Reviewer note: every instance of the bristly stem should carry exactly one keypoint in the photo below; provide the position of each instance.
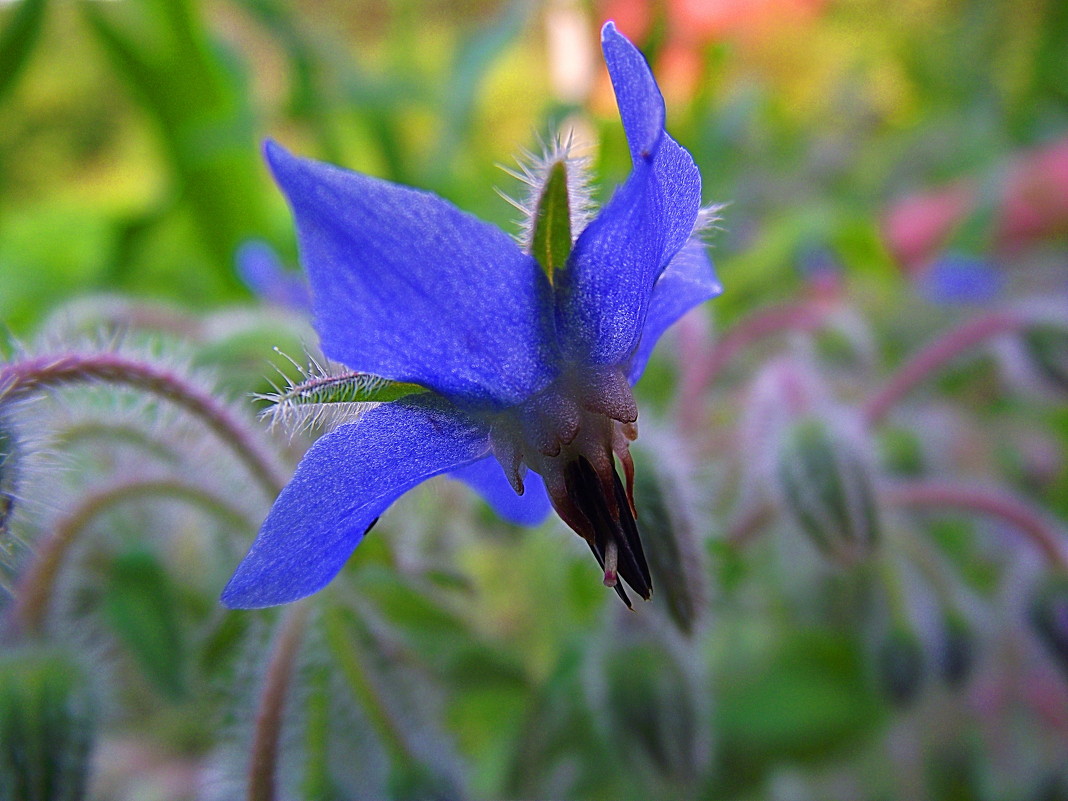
(363, 686)
(985, 502)
(36, 588)
(749, 523)
(703, 370)
(936, 355)
(22, 379)
(263, 761)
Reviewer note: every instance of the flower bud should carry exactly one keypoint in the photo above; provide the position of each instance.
(899, 662)
(676, 559)
(826, 486)
(9, 474)
(652, 710)
(1049, 617)
(46, 726)
(1045, 345)
(956, 655)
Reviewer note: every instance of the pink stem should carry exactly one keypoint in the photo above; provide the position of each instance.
(935, 355)
(22, 379)
(1004, 507)
(697, 380)
(263, 762)
(36, 588)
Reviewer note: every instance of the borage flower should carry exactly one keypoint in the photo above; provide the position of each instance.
(520, 358)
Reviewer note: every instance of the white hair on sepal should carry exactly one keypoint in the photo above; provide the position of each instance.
(533, 172)
(325, 397)
(708, 221)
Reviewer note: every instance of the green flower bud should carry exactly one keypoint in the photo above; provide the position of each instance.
(956, 655)
(9, 474)
(653, 712)
(46, 726)
(827, 488)
(1049, 617)
(676, 559)
(900, 667)
(1046, 346)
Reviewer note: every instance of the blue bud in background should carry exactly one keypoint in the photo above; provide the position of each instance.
(956, 278)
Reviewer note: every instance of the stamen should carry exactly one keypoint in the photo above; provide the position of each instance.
(611, 558)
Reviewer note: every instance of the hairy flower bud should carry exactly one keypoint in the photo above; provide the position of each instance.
(1046, 347)
(676, 559)
(652, 709)
(826, 486)
(900, 666)
(956, 654)
(1048, 615)
(46, 726)
(9, 474)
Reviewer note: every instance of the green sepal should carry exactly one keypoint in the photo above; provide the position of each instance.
(550, 242)
(318, 390)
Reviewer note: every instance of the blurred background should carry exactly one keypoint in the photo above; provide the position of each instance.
(852, 463)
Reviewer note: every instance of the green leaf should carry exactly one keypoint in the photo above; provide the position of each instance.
(551, 242)
(18, 40)
(140, 606)
(808, 702)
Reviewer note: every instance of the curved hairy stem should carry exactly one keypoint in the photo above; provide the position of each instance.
(36, 588)
(23, 379)
(1011, 510)
(704, 370)
(935, 355)
(263, 762)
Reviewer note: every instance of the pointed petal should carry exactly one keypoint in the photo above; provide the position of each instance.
(603, 293)
(345, 481)
(487, 479)
(408, 287)
(688, 280)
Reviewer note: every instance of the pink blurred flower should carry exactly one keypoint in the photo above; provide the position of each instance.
(1032, 206)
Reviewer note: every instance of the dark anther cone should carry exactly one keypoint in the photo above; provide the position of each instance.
(610, 522)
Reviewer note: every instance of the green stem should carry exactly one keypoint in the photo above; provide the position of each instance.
(347, 653)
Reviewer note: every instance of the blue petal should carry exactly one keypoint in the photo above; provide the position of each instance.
(263, 273)
(408, 287)
(487, 479)
(345, 481)
(603, 293)
(688, 280)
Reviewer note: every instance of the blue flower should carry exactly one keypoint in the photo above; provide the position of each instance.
(527, 370)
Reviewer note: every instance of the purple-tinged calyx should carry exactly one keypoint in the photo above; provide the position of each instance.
(571, 435)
